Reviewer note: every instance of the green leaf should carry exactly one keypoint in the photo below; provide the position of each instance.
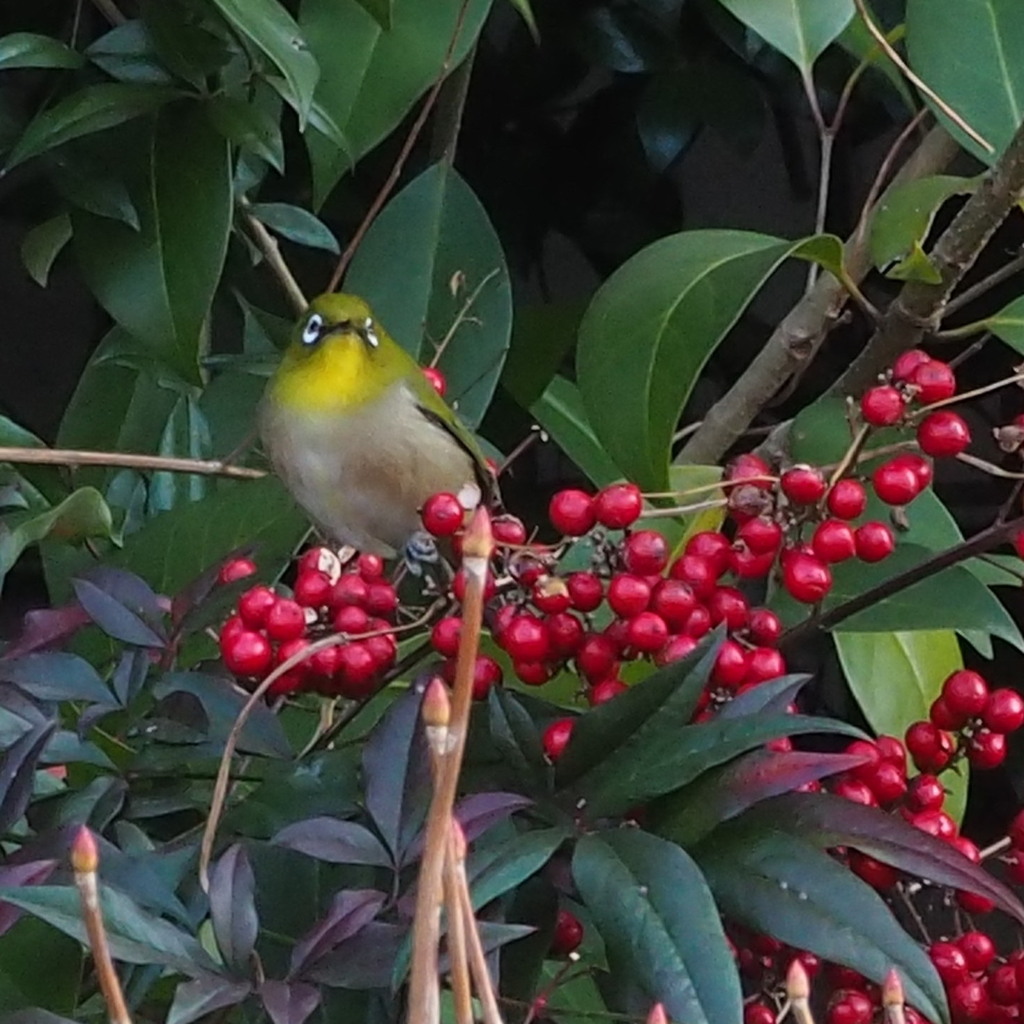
(39, 967)
(175, 547)
(1008, 324)
(380, 11)
(135, 936)
(43, 244)
(905, 215)
(296, 224)
(525, 11)
(653, 325)
(542, 337)
(659, 923)
(496, 869)
(30, 50)
(93, 189)
(800, 29)
(948, 43)
(273, 30)
(251, 126)
(780, 884)
(559, 410)
(126, 53)
(366, 95)
(90, 109)
(896, 676)
(434, 233)
(917, 265)
(158, 282)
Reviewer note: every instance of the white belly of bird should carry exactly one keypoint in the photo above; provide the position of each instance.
(363, 479)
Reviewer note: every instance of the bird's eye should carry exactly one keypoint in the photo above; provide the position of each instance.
(370, 334)
(311, 332)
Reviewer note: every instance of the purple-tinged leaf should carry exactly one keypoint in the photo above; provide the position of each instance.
(289, 1002)
(130, 590)
(477, 813)
(34, 1015)
(771, 697)
(55, 676)
(497, 869)
(349, 913)
(396, 773)
(689, 814)
(114, 618)
(829, 821)
(364, 961)
(334, 840)
(202, 586)
(196, 998)
(47, 627)
(233, 907)
(32, 872)
(130, 674)
(17, 771)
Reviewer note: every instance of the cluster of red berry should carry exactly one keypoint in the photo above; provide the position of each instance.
(270, 626)
(981, 986)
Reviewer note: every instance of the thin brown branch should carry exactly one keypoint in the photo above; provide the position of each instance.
(267, 245)
(799, 335)
(458, 956)
(477, 959)
(110, 11)
(407, 147)
(74, 458)
(997, 277)
(920, 306)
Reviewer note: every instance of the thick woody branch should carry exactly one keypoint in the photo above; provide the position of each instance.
(919, 307)
(798, 337)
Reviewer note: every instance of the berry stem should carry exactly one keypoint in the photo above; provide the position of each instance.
(988, 467)
(704, 488)
(1016, 378)
(682, 510)
(75, 457)
(850, 457)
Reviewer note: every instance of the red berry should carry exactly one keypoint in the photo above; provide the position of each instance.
(925, 793)
(459, 586)
(254, 604)
(748, 467)
(931, 748)
(887, 782)
(236, 569)
(647, 632)
(1017, 540)
(323, 664)
(698, 624)
(606, 690)
(246, 653)
(758, 1013)
(565, 634)
(508, 529)
(803, 485)
(486, 675)
(748, 566)
(939, 714)
(848, 1007)
(532, 673)
(285, 620)
(357, 670)
(874, 541)
(349, 589)
(965, 693)
(949, 962)
(943, 433)
(550, 594)
(572, 512)
(699, 572)
(765, 627)
(847, 499)
(882, 406)
(806, 578)
(730, 666)
(370, 567)
(444, 637)
(1003, 711)
(598, 657)
(312, 589)
(351, 620)
(436, 379)
(893, 751)
(585, 590)
(1002, 985)
(934, 381)
(921, 467)
(877, 874)
(381, 599)
(935, 823)
(556, 736)
(645, 552)
(618, 506)
(764, 663)
(674, 601)
(728, 605)
(908, 362)
(896, 483)
(568, 933)
(628, 595)
(525, 638)
(833, 541)
(986, 749)
(710, 545)
(442, 514)
(978, 949)
(761, 536)
(855, 791)
(676, 649)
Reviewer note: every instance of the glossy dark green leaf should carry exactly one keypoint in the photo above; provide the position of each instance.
(135, 936)
(43, 244)
(93, 189)
(800, 29)
(366, 95)
(665, 121)
(653, 325)
(295, 224)
(380, 10)
(127, 55)
(233, 907)
(782, 885)
(434, 233)
(517, 739)
(158, 282)
(268, 25)
(496, 869)
(17, 771)
(946, 44)
(55, 675)
(249, 125)
(1008, 324)
(39, 968)
(92, 108)
(659, 923)
(31, 50)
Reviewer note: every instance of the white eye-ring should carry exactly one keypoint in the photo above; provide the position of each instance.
(370, 334)
(311, 332)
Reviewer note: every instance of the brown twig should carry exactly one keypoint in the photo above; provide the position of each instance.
(458, 956)
(84, 864)
(267, 245)
(110, 11)
(73, 457)
(477, 959)
(798, 336)
(403, 155)
(997, 277)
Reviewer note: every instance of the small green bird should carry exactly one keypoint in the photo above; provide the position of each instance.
(358, 434)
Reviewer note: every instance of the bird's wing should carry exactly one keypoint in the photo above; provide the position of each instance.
(458, 432)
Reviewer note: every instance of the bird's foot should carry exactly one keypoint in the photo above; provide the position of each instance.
(420, 550)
